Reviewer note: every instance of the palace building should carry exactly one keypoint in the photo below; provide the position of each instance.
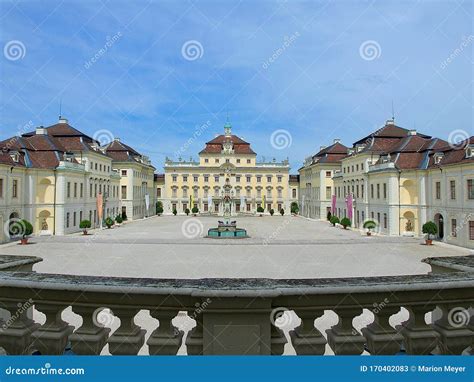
(57, 176)
(189, 184)
(398, 178)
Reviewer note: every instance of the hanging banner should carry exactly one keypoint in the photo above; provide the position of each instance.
(349, 206)
(333, 205)
(100, 206)
(147, 201)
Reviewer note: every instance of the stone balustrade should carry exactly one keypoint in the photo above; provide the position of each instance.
(238, 316)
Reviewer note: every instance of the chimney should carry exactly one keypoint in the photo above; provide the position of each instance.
(412, 132)
(41, 131)
(62, 120)
(322, 148)
(337, 140)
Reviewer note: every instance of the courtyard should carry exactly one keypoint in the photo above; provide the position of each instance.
(278, 247)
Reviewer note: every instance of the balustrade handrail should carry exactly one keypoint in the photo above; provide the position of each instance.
(242, 309)
(239, 287)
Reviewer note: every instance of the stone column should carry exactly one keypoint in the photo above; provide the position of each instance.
(88, 339)
(453, 327)
(129, 337)
(343, 338)
(52, 337)
(306, 339)
(166, 339)
(382, 338)
(418, 337)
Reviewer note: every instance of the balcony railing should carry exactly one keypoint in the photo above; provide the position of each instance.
(238, 316)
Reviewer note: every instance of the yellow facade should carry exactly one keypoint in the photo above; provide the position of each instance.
(201, 182)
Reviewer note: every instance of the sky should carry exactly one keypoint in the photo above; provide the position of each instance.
(163, 76)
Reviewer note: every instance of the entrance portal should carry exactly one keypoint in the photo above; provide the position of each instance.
(439, 220)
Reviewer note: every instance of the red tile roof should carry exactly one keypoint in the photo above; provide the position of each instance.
(215, 146)
(331, 154)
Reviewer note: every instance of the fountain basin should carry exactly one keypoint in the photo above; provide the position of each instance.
(235, 233)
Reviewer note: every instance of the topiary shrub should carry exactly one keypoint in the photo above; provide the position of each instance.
(21, 228)
(175, 212)
(118, 219)
(109, 222)
(334, 220)
(260, 210)
(430, 229)
(84, 225)
(186, 211)
(294, 208)
(345, 222)
(282, 212)
(272, 211)
(195, 210)
(370, 225)
(159, 208)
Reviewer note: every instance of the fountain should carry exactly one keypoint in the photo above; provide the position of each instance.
(227, 229)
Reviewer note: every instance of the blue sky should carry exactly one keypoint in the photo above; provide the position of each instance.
(319, 70)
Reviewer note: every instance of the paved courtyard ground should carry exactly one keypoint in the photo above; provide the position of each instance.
(279, 247)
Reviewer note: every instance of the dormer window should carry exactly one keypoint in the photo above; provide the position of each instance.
(438, 157)
(68, 156)
(15, 155)
(386, 158)
(470, 151)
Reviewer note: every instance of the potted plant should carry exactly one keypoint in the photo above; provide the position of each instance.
(195, 210)
(85, 224)
(260, 210)
(272, 211)
(430, 229)
(294, 208)
(345, 222)
(282, 212)
(175, 212)
(118, 219)
(159, 208)
(109, 222)
(334, 220)
(186, 211)
(328, 216)
(369, 225)
(124, 216)
(23, 228)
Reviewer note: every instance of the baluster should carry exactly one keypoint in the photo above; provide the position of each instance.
(167, 338)
(277, 340)
(195, 338)
(15, 333)
(382, 338)
(51, 338)
(129, 337)
(306, 339)
(89, 339)
(418, 337)
(343, 338)
(453, 328)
